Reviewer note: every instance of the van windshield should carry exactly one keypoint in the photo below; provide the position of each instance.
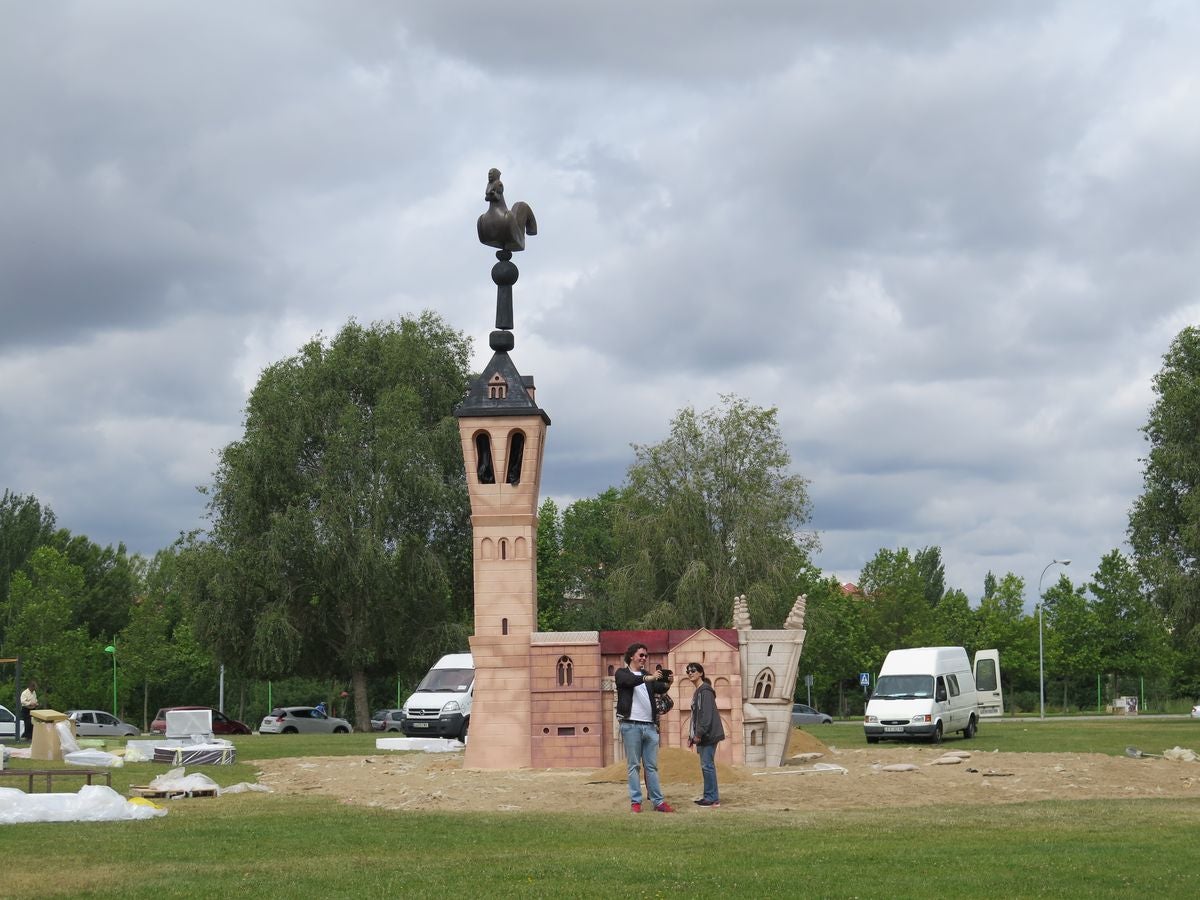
(447, 681)
(904, 687)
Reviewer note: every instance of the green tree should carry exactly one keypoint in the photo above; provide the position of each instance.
(1164, 524)
(933, 573)
(336, 518)
(836, 645)
(109, 583)
(42, 606)
(24, 526)
(1002, 624)
(551, 568)
(954, 621)
(1070, 636)
(898, 611)
(1132, 638)
(590, 556)
(709, 513)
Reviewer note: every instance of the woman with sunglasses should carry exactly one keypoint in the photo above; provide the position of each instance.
(706, 732)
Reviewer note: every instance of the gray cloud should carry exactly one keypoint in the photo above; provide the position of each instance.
(950, 244)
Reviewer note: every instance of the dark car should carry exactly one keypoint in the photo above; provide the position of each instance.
(802, 714)
(221, 723)
(386, 719)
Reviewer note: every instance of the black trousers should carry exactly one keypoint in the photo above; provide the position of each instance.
(26, 723)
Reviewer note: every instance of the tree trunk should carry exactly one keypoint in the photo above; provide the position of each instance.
(362, 712)
(146, 705)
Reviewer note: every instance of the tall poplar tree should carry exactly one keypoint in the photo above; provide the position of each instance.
(1164, 524)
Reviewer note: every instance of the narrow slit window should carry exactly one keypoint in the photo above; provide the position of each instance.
(483, 459)
(516, 453)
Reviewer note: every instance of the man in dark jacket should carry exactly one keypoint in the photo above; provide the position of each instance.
(638, 716)
(706, 732)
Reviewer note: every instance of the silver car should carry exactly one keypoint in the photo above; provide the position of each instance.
(803, 714)
(98, 723)
(302, 720)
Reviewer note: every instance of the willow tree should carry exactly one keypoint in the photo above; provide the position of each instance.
(711, 512)
(337, 518)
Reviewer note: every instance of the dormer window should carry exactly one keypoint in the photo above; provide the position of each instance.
(497, 387)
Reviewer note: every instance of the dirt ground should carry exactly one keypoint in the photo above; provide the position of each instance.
(439, 781)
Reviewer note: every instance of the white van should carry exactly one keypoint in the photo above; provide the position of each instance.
(926, 692)
(441, 704)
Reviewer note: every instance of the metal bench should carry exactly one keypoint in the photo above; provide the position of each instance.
(51, 774)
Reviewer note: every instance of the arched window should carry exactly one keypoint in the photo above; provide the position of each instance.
(483, 458)
(516, 454)
(764, 684)
(564, 671)
(504, 626)
(487, 548)
(520, 550)
(503, 545)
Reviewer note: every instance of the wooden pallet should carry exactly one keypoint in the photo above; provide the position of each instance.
(143, 790)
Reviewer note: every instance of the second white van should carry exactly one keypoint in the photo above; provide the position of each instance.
(925, 692)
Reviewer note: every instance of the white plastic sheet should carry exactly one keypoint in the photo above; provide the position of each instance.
(93, 803)
(93, 758)
(426, 745)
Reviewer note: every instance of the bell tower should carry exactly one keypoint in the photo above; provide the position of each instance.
(503, 433)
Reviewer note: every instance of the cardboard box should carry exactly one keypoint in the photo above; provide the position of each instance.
(46, 743)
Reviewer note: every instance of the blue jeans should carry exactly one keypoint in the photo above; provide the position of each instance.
(641, 749)
(708, 771)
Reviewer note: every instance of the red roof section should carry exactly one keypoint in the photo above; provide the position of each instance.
(657, 641)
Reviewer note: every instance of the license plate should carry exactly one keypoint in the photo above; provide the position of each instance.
(893, 728)
(419, 724)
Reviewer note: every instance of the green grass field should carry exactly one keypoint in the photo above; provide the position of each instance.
(265, 844)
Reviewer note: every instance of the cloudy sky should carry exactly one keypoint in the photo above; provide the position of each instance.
(950, 242)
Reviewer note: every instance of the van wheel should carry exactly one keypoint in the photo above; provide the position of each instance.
(936, 737)
(972, 727)
(462, 735)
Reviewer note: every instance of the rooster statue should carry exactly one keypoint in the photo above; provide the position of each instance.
(501, 227)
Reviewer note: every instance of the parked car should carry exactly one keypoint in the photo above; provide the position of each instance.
(386, 719)
(98, 723)
(802, 714)
(302, 720)
(221, 723)
(9, 724)
(1195, 711)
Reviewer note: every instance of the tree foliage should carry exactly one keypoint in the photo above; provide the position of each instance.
(1164, 524)
(336, 518)
(711, 512)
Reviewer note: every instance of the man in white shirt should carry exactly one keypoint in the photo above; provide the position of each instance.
(29, 702)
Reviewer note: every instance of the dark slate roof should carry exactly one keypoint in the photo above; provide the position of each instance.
(517, 403)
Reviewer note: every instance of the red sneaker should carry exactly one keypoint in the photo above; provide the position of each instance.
(664, 807)
(635, 807)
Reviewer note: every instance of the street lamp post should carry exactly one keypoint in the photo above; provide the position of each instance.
(112, 648)
(1041, 665)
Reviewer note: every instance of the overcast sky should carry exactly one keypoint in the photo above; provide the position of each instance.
(950, 242)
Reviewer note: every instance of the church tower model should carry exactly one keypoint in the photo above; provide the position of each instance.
(503, 432)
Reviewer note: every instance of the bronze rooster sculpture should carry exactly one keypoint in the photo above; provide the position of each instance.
(501, 227)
